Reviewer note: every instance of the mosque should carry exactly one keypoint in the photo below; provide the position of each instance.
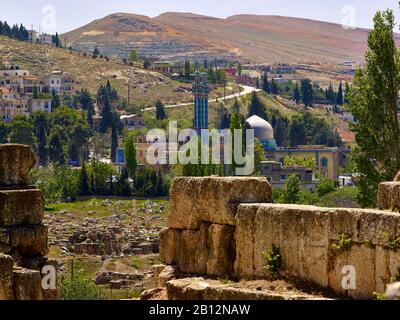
(326, 158)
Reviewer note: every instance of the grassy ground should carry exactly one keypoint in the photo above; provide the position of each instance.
(88, 267)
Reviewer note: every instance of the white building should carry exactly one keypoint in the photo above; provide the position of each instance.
(132, 121)
(40, 105)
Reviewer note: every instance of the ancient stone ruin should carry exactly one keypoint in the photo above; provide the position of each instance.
(23, 237)
(222, 227)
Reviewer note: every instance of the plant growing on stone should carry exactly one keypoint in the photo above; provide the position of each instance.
(344, 243)
(3, 233)
(393, 243)
(273, 260)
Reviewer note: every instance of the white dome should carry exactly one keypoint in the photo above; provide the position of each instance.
(262, 129)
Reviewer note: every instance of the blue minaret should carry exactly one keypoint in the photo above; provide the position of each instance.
(200, 95)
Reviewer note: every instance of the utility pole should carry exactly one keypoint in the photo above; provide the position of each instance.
(72, 270)
(129, 93)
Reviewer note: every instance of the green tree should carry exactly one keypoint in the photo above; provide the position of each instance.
(96, 52)
(256, 107)
(35, 92)
(133, 56)
(114, 142)
(106, 109)
(307, 92)
(236, 123)
(84, 181)
(4, 131)
(265, 83)
(222, 117)
(326, 186)
(296, 94)
(297, 131)
(56, 150)
(240, 69)
(22, 131)
(291, 191)
(160, 111)
(274, 87)
(55, 100)
(130, 155)
(259, 155)
(373, 101)
(340, 98)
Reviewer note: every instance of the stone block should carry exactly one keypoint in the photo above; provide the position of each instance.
(194, 251)
(382, 270)
(6, 277)
(27, 284)
(222, 251)
(21, 207)
(170, 245)
(187, 289)
(213, 199)
(343, 222)
(394, 264)
(267, 232)
(389, 196)
(15, 163)
(27, 241)
(362, 258)
(163, 274)
(245, 242)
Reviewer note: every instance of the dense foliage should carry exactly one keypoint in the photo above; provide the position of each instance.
(373, 100)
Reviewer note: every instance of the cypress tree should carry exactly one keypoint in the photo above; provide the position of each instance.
(339, 99)
(84, 181)
(296, 94)
(373, 101)
(160, 111)
(114, 142)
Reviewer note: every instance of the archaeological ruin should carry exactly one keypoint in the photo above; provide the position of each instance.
(221, 228)
(23, 237)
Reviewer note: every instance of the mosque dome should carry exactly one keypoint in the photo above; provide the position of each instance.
(262, 129)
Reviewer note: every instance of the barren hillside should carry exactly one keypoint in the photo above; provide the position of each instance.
(146, 86)
(270, 39)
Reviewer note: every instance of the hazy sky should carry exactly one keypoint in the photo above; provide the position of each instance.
(75, 13)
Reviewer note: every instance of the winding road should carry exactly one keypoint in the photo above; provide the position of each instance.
(246, 90)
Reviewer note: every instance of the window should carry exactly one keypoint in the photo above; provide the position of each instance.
(324, 162)
(283, 177)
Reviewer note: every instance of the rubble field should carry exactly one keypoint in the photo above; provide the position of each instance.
(113, 242)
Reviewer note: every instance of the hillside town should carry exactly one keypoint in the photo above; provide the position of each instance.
(198, 158)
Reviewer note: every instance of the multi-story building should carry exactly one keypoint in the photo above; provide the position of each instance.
(61, 83)
(133, 121)
(43, 105)
(277, 175)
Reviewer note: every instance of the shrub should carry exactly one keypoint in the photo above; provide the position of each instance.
(344, 243)
(326, 186)
(341, 198)
(273, 260)
(80, 289)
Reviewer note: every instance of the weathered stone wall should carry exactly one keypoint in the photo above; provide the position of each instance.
(201, 234)
(23, 237)
(308, 239)
(211, 234)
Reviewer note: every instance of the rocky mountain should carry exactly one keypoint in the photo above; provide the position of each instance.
(272, 39)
